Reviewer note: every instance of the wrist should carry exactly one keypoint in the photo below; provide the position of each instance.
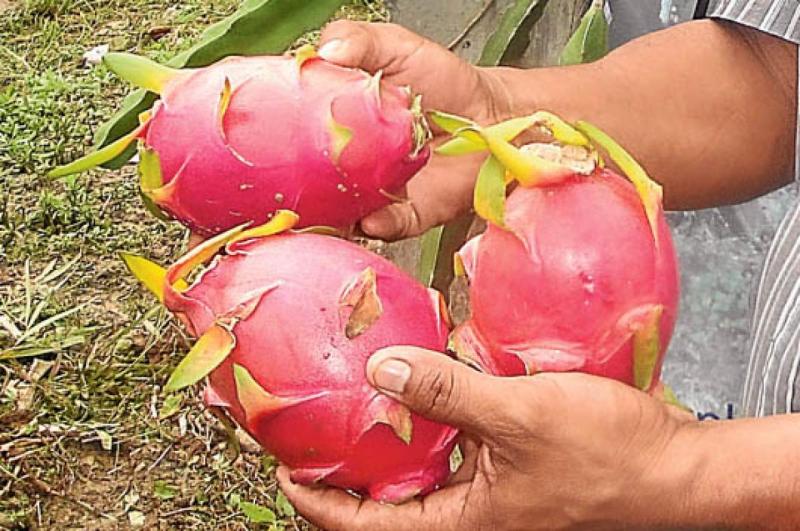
(671, 485)
(497, 103)
(566, 91)
(731, 474)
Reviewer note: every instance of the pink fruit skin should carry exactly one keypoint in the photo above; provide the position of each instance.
(274, 147)
(565, 287)
(294, 345)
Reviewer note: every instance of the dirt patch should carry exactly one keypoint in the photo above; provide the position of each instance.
(5, 4)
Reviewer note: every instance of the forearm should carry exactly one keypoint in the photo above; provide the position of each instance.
(732, 474)
(707, 107)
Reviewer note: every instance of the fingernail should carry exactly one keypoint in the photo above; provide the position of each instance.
(392, 375)
(331, 50)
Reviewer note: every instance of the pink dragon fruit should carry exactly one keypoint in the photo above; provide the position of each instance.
(576, 271)
(234, 142)
(284, 341)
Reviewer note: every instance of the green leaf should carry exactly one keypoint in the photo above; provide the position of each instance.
(32, 331)
(442, 243)
(27, 351)
(284, 506)
(163, 491)
(490, 192)
(258, 27)
(590, 41)
(96, 158)
(508, 28)
(257, 514)
(429, 251)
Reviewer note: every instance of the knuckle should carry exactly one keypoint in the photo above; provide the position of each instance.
(335, 27)
(407, 219)
(392, 26)
(413, 225)
(438, 392)
(344, 29)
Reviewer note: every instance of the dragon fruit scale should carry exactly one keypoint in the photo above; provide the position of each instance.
(233, 142)
(576, 270)
(284, 342)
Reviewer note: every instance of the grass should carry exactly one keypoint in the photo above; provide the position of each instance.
(86, 439)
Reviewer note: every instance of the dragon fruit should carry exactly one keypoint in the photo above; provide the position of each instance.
(235, 141)
(284, 341)
(576, 270)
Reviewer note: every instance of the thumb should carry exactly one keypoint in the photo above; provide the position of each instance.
(369, 46)
(441, 389)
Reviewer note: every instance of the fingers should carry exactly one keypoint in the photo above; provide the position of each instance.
(394, 222)
(368, 46)
(334, 510)
(439, 193)
(444, 390)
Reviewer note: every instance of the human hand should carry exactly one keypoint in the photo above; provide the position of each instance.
(443, 189)
(555, 451)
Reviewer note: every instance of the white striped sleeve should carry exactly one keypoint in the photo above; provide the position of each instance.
(773, 378)
(776, 17)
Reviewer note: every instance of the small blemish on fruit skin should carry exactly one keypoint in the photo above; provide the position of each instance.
(246, 186)
(279, 197)
(587, 281)
(342, 188)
